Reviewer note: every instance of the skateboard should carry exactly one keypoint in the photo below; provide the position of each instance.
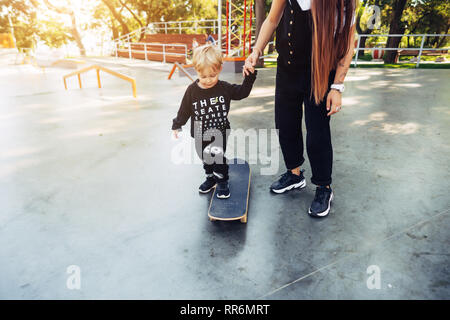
(236, 206)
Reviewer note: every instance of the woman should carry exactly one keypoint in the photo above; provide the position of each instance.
(315, 42)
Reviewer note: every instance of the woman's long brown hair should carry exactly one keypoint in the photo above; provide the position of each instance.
(329, 48)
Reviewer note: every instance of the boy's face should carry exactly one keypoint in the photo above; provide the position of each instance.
(208, 77)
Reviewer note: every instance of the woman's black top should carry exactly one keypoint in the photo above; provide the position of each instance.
(294, 37)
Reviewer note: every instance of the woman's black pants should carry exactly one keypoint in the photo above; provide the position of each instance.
(293, 90)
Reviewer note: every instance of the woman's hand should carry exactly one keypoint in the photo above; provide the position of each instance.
(250, 63)
(267, 29)
(334, 102)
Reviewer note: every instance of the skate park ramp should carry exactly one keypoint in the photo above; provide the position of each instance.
(87, 178)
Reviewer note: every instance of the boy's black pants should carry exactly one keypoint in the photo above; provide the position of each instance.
(213, 157)
(293, 90)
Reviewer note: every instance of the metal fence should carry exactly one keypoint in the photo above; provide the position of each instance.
(166, 27)
(421, 48)
(179, 27)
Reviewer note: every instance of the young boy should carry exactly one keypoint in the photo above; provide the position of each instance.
(207, 102)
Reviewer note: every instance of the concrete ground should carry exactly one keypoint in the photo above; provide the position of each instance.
(87, 178)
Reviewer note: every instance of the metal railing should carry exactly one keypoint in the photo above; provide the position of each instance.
(97, 69)
(163, 51)
(182, 69)
(421, 48)
(180, 26)
(167, 26)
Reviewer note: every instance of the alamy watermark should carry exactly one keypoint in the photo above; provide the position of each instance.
(374, 21)
(256, 146)
(74, 280)
(374, 279)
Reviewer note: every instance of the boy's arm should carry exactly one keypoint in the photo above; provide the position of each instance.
(184, 113)
(241, 91)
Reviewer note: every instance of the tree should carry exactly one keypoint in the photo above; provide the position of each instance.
(110, 4)
(397, 26)
(132, 13)
(101, 17)
(24, 21)
(74, 30)
(428, 17)
(53, 33)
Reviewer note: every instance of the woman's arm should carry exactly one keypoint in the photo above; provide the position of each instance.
(344, 64)
(334, 99)
(267, 29)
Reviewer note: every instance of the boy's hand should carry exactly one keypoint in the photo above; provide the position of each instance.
(175, 134)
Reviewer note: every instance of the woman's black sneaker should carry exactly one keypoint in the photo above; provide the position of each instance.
(320, 207)
(288, 181)
(223, 190)
(208, 185)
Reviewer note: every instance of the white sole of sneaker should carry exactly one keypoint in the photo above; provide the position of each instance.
(300, 185)
(207, 190)
(223, 197)
(325, 213)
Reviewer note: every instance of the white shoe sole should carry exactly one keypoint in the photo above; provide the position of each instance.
(223, 197)
(300, 185)
(207, 190)
(325, 213)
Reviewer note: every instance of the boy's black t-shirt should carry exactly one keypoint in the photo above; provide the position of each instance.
(211, 106)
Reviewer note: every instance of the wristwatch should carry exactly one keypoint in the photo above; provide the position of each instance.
(339, 87)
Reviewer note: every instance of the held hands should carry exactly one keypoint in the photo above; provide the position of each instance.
(250, 62)
(334, 102)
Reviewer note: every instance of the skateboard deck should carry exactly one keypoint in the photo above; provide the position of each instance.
(236, 206)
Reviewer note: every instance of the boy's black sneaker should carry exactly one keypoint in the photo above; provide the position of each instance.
(320, 207)
(288, 181)
(223, 190)
(208, 185)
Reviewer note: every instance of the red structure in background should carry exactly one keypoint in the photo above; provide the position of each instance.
(239, 27)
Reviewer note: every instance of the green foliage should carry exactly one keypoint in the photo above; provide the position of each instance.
(428, 17)
(23, 19)
(419, 17)
(176, 10)
(53, 33)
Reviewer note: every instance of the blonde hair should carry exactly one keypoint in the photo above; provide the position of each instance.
(207, 56)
